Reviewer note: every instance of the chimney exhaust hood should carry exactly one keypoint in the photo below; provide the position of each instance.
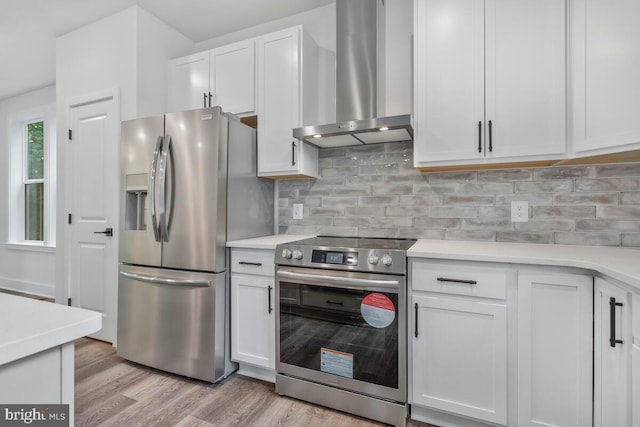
(359, 40)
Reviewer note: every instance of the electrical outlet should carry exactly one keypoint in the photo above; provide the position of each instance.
(297, 210)
(520, 211)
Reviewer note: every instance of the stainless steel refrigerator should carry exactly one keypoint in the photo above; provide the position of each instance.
(188, 184)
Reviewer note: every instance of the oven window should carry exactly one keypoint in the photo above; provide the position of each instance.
(331, 330)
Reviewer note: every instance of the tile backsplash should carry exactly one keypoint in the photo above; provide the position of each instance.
(374, 191)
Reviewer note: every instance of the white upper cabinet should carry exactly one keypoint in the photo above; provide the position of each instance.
(287, 98)
(224, 76)
(232, 77)
(489, 81)
(188, 82)
(605, 69)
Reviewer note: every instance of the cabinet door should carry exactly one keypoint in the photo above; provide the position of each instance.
(233, 77)
(611, 363)
(253, 330)
(606, 66)
(460, 357)
(448, 80)
(188, 82)
(525, 78)
(635, 360)
(554, 350)
(278, 102)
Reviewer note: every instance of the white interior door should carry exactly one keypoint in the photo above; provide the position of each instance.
(93, 205)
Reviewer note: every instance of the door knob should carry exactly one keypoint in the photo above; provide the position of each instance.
(107, 232)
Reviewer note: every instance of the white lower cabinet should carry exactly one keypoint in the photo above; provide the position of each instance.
(635, 360)
(612, 355)
(460, 357)
(458, 342)
(497, 344)
(253, 313)
(554, 337)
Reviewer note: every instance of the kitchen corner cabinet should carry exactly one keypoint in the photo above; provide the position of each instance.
(287, 70)
(253, 327)
(613, 349)
(459, 341)
(635, 360)
(605, 69)
(224, 76)
(554, 349)
(489, 81)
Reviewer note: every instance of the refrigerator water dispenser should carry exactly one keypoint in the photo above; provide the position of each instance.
(136, 201)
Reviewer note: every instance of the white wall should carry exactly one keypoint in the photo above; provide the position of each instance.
(127, 51)
(320, 23)
(157, 43)
(31, 271)
(399, 57)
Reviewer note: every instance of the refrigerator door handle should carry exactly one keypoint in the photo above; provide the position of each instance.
(162, 197)
(152, 188)
(164, 281)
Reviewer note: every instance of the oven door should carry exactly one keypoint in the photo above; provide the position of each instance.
(344, 329)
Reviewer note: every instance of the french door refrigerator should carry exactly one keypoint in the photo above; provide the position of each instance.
(188, 184)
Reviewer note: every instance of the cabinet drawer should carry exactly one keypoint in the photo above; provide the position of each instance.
(458, 278)
(253, 261)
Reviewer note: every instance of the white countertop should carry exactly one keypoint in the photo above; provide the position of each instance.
(266, 242)
(29, 326)
(618, 263)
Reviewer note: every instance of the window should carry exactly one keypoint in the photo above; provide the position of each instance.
(34, 182)
(32, 179)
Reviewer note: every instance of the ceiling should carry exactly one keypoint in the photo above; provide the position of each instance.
(28, 28)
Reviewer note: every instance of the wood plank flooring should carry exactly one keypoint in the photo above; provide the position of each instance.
(111, 391)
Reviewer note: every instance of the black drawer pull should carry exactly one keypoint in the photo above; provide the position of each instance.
(416, 328)
(479, 137)
(468, 282)
(612, 313)
(269, 288)
(256, 264)
(334, 302)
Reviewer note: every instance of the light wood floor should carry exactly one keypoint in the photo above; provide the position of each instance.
(111, 391)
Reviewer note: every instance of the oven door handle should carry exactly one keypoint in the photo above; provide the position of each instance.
(340, 282)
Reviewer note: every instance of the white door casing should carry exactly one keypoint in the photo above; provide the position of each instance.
(92, 158)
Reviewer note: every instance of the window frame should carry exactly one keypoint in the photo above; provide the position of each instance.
(18, 179)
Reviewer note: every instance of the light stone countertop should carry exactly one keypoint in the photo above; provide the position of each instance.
(622, 264)
(29, 326)
(266, 242)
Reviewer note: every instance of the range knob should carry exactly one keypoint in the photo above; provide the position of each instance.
(373, 259)
(297, 254)
(286, 253)
(386, 259)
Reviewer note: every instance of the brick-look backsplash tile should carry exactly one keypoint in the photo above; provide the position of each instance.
(374, 191)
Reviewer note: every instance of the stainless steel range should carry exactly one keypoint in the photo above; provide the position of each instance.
(341, 324)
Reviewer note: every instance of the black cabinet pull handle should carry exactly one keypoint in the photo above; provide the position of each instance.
(612, 323)
(293, 153)
(210, 96)
(416, 309)
(468, 282)
(256, 264)
(479, 137)
(490, 136)
(205, 100)
(107, 232)
(269, 288)
(334, 302)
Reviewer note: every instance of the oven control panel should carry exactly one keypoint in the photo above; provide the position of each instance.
(333, 257)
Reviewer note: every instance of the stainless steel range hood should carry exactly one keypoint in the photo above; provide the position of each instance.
(359, 41)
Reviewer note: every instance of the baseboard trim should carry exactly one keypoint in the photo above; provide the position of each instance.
(33, 288)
